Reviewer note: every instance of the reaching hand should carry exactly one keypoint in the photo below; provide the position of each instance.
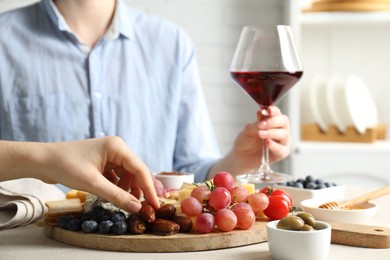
(105, 167)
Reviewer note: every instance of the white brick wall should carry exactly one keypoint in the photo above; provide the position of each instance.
(214, 26)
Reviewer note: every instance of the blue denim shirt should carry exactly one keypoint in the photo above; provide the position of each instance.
(139, 82)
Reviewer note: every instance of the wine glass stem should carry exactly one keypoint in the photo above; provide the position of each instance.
(265, 169)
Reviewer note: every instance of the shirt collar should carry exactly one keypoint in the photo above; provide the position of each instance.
(122, 23)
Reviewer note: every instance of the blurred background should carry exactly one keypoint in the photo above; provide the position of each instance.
(336, 39)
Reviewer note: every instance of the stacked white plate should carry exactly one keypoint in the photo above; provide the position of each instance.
(340, 102)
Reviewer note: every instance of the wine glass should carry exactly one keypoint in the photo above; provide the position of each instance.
(266, 65)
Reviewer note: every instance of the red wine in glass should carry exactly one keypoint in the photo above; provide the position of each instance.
(266, 65)
(267, 87)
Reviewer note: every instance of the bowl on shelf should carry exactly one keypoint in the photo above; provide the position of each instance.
(174, 180)
(359, 214)
(302, 245)
(300, 194)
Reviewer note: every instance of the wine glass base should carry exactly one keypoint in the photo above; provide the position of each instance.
(258, 178)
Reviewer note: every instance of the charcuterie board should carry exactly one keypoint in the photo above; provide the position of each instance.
(181, 242)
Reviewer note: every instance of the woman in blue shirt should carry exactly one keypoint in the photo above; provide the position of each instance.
(71, 70)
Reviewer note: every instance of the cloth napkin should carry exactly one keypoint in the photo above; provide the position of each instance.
(22, 201)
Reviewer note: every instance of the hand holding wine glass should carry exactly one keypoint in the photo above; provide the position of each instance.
(266, 66)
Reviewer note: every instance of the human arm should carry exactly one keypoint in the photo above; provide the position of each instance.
(103, 166)
(245, 155)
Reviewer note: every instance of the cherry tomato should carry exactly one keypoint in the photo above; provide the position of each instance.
(283, 193)
(278, 207)
(270, 191)
(280, 203)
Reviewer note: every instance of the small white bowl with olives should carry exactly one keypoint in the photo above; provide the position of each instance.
(299, 237)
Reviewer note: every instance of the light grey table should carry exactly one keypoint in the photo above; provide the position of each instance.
(30, 243)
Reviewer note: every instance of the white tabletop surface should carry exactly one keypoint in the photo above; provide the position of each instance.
(30, 243)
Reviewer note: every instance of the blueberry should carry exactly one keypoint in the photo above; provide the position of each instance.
(309, 179)
(96, 211)
(321, 186)
(64, 221)
(298, 185)
(301, 180)
(105, 227)
(118, 216)
(119, 228)
(319, 181)
(85, 216)
(311, 186)
(290, 183)
(89, 226)
(104, 215)
(74, 224)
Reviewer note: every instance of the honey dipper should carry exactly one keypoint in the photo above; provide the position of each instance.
(358, 200)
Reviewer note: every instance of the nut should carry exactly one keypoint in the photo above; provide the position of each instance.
(136, 225)
(166, 211)
(165, 227)
(184, 222)
(147, 212)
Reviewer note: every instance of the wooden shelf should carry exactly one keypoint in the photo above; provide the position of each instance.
(344, 18)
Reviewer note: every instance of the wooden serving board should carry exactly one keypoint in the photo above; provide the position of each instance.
(181, 242)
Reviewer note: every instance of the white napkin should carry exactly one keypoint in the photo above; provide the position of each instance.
(23, 201)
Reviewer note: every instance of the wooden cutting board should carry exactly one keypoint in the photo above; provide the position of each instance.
(153, 243)
(360, 235)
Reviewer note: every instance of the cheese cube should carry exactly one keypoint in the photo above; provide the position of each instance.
(250, 187)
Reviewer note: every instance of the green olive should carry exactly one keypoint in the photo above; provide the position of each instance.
(306, 227)
(307, 218)
(290, 223)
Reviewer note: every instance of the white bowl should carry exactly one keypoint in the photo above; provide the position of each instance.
(300, 245)
(356, 216)
(174, 180)
(299, 194)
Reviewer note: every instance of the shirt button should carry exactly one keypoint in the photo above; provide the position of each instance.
(98, 95)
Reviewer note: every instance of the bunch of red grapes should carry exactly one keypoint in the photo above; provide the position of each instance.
(222, 205)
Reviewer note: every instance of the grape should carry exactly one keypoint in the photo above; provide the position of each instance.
(201, 193)
(238, 194)
(191, 207)
(242, 205)
(258, 201)
(245, 217)
(219, 198)
(225, 219)
(205, 223)
(223, 179)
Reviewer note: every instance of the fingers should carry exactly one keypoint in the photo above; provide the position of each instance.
(119, 197)
(131, 171)
(142, 179)
(277, 150)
